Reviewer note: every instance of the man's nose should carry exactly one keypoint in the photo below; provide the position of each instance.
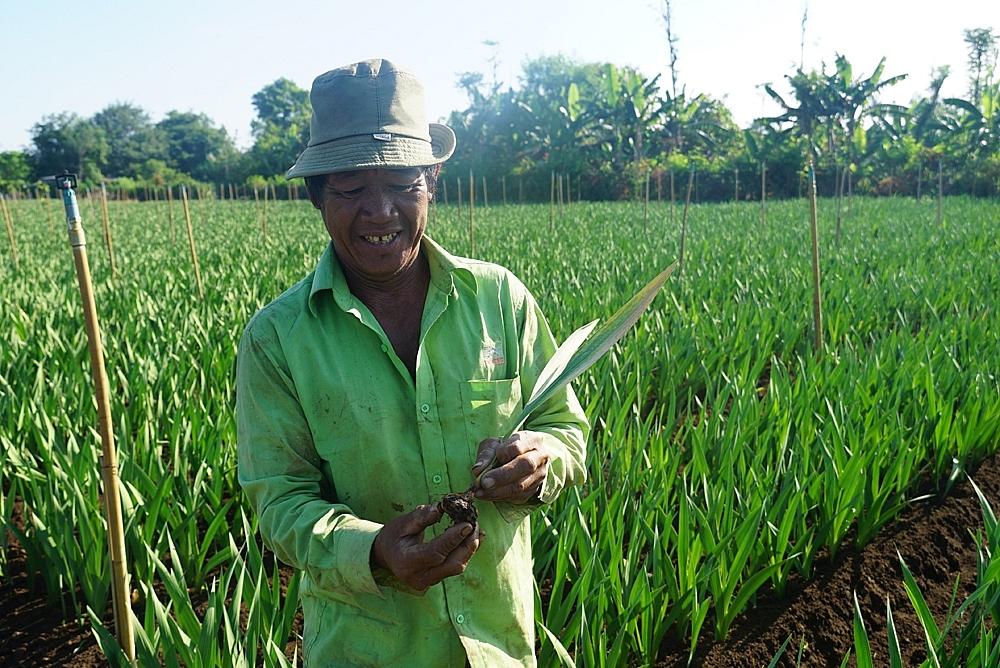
(379, 206)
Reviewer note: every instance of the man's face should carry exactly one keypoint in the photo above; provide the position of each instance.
(376, 218)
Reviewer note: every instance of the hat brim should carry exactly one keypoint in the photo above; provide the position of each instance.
(366, 152)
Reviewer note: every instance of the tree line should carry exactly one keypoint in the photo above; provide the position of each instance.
(606, 131)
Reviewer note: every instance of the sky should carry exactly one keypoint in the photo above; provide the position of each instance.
(211, 56)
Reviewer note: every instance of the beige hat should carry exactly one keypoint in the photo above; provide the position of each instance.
(370, 114)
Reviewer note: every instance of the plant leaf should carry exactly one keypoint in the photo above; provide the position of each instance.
(582, 354)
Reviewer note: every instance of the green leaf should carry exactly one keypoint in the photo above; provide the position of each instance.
(559, 371)
(861, 645)
(561, 651)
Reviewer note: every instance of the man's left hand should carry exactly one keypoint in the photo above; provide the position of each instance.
(522, 464)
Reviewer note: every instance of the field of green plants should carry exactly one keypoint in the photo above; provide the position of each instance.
(726, 454)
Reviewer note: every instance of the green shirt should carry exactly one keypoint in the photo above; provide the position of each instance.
(335, 438)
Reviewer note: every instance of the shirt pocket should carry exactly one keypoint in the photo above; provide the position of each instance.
(488, 408)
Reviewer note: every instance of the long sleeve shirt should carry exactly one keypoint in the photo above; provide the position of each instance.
(335, 438)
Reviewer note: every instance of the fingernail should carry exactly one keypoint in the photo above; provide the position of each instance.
(488, 482)
(466, 530)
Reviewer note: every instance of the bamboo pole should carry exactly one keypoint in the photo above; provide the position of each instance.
(559, 194)
(645, 206)
(763, 193)
(472, 211)
(503, 187)
(156, 204)
(736, 197)
(10, 231)
(109, 457)
(552, 201)
(107, 229)
(232, 197)
(458, 181)
(486, 200)
(201, 205)
(170, 211)
(684, 222)
(814, 231)
(940, 192)
(194, 253)
(671, 198)
(48, 211)
(256, 201)
(444, 182)
(263, 222)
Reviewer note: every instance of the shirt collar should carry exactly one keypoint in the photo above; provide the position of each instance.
(444, 266)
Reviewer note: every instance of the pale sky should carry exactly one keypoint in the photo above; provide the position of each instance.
(212, 56)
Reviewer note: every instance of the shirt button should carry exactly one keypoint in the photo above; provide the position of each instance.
(436, 479)
(424, 408)
(460, 618)
(385, 348)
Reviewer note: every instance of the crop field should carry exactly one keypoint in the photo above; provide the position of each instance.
(727, 458)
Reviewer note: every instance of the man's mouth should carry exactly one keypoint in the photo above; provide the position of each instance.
(380, 240)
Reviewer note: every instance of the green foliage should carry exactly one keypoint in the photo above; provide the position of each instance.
(198, 148)
(724, 457)
(66, 141)
(281, 129)
(132, 138)
(15, 170)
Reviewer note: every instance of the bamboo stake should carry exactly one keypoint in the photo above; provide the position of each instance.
(814, 230)
(559, 194)
(458, 180)
(48, 211)
(107, 228)
(671, 198)
(940, 192)
(503, 186)
(684, 223)
(170, 211)
(274, 196)
(763, 193)
(201, 205)
(552, 200)
(839, 183)
(444, 182)
(263, 222)
(472, 210)
(256, 201)
(10, 232)
(486, 201)
(645, 206)
(232, 196)
(194, 253)
(156, 204)
(109, 458)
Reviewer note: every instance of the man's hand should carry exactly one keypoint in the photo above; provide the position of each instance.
(400, 547)
(523, 463)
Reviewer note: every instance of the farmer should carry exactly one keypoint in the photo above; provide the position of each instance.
(378, 384)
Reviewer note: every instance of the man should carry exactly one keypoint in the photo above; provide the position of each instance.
(380, 383)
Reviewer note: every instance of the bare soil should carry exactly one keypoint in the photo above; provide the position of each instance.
(933, 536)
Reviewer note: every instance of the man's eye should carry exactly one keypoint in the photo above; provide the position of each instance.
(408, 188)
(354, 192)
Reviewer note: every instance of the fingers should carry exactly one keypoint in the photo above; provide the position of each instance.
(485, 456)
(518, 480)
(458, 558)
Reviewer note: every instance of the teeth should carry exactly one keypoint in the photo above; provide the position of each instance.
(384, 239)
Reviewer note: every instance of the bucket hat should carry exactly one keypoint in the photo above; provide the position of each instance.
(367, 115)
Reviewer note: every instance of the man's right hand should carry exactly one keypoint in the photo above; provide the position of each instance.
(400, 547)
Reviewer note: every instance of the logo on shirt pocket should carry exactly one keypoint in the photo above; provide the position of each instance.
(493, 354)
